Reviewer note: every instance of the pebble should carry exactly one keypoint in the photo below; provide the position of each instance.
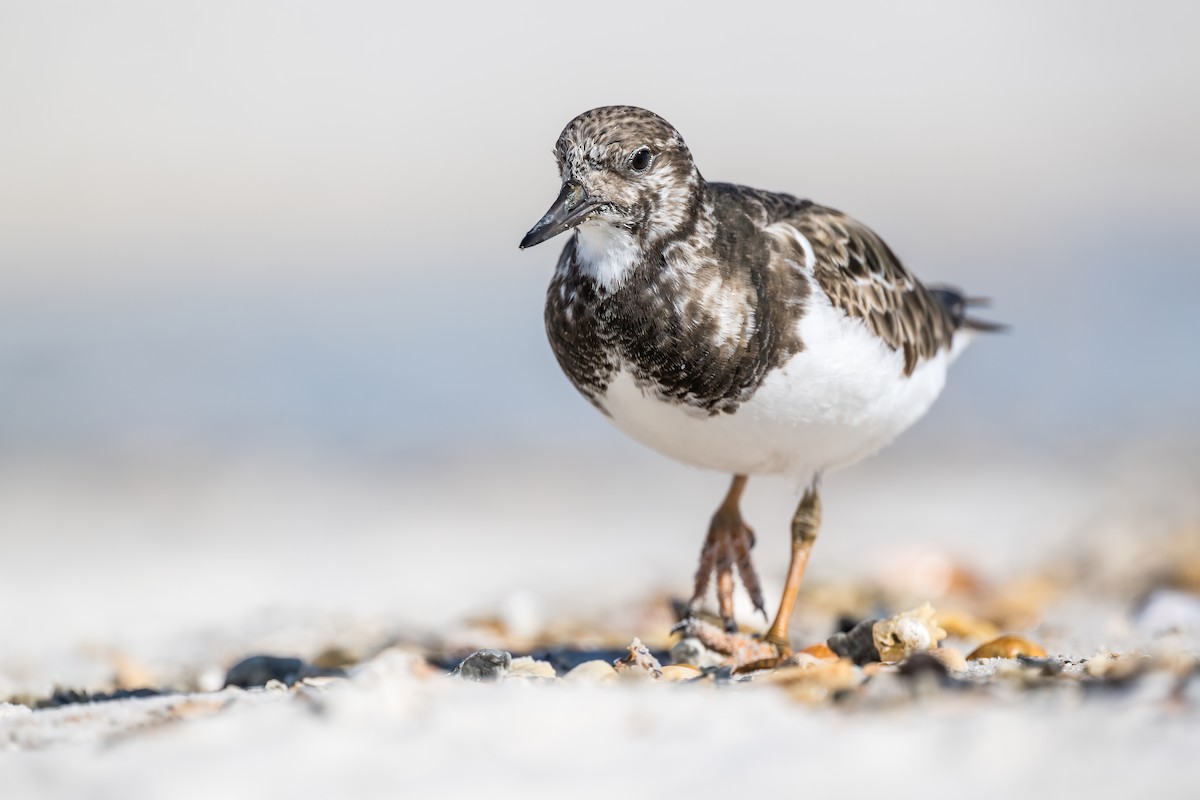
(856, 644)
(680, 672)
(531, 668)
(484, 665)
(260, 670)
(592, 672)
(1007, 647)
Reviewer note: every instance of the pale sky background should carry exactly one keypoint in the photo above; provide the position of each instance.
(294, 224)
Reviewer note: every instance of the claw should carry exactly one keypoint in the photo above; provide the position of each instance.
(742, 542)
(690, 611)
(727, 547)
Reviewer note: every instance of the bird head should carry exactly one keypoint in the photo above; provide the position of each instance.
(625, 168)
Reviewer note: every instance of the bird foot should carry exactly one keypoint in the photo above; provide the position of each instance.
(728, 543)
(741, 652)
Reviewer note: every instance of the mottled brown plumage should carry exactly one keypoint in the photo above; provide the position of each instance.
(661, 322)
(862, 276)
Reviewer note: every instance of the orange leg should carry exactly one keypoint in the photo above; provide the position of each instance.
(728, 543)
(805, 523)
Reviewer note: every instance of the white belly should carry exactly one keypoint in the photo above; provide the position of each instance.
(838, 401)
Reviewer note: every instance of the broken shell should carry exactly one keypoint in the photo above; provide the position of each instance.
(820, 650)
(528, 667)
(639, 661)
(591, 672)
(906, 633)
(1007, 647)
(680, 672)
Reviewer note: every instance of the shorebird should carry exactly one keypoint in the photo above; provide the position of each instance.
(734, 329)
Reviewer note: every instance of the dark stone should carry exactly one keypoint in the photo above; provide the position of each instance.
(484, 666)
(858, 644)
(258, 670)
(70, 697)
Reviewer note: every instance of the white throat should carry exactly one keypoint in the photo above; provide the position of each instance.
(606, 253)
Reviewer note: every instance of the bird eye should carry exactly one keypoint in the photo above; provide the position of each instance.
(640, 160)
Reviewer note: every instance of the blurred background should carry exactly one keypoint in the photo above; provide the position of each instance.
(269, 353)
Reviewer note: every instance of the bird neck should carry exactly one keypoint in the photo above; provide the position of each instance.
(693, 234)
(681, 205)
(679, 225)
(607, 254)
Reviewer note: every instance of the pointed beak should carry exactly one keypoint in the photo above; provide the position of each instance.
(571, 208)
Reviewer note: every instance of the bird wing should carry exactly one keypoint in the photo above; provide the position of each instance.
(864, 278)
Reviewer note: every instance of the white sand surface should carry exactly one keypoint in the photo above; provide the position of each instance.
(182, 572)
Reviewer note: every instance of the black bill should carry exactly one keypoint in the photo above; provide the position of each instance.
(571, 208)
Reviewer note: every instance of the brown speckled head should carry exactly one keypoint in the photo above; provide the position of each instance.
(636, 166)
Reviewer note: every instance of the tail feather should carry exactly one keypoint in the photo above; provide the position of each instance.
(956, 304)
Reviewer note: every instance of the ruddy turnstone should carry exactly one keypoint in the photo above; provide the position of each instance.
(734, 329)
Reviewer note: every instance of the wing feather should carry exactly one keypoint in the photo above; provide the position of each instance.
(864, 278)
